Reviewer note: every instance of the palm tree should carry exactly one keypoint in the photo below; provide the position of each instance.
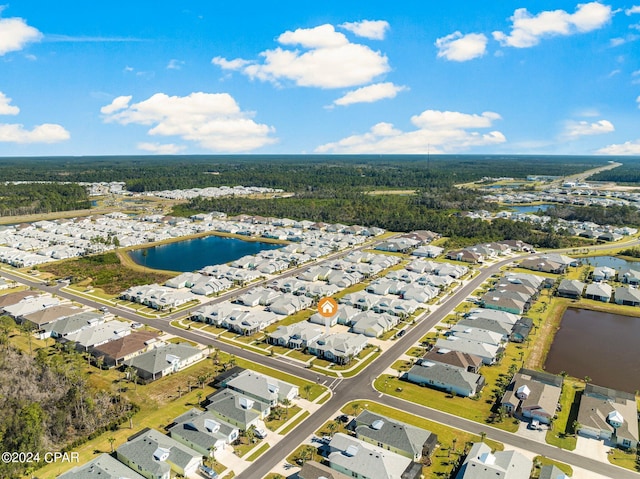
(483, 436)
(307, 390)
(199, 396)
(111, 440)
(587, 380)
(332, 426)
(286, 402)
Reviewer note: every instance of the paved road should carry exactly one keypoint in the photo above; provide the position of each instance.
(359, 388)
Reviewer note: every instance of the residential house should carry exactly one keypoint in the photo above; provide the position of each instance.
(248, 322)
(373, 325)
(603, 273)
(543, 265)
(97, 334)
(316, 470)
(599, 292)
(551, 472)
(38, 319)
(571, 288)
(289, 304)
(30, 305)
(164, 360)
(237, 409)
(409, 441)
(72, 324)
(154, 455)
(477, 334)
(627, 275)
(428, 251)
(338, 348)
(466, 256)
(504, 329)
(627, 296)
(261, 387)
(502, 316)
(521, 330)
(533, 395)
(487, 352)
(14, 298)
(102, 467)
(297, 335)
(468, 362)
(504, 302)
(356, 458)
(610, 415)
(452, 379)
(482, 463)
(115, 352)
(203, 432)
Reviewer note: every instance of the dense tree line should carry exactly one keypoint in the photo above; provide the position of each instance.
(47, 403)
(609, 215)
(427, 210)
(30, 198)
(293, 173)
(629, 172)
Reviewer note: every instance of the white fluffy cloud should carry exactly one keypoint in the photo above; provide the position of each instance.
(174, 64)
(370, 94)
(45, 133)
(461, 48)
(161, 149)
(373, 29)
(437, 132)
(15, 34)
(626, 148)
(212, 120)
(324, 58)
(5, 107)
(632, 10)
(527, 30)
(576, 129)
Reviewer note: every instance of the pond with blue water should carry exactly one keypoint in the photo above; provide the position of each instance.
(195, 254)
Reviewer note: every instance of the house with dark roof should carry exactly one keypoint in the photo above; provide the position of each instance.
(155, 455)
(543, 265)
(202, 431)
(551, 472)
(409, 441)
(610, 415)
(114, 353)
(504, 329)
(533, 395)
(261, 387)
(164, 360)
(571, 288)
(503, 302)
(468, 362)
(452, 379)
(521, 330)
(316, 470)
(45, 316)
(237, 409)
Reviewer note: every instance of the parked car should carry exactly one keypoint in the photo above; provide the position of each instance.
(207, 472)
(261, 432)
(401, 333)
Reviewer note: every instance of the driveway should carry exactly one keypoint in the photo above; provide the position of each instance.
(592, 448)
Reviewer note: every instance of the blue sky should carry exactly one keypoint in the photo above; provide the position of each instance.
(196, 77)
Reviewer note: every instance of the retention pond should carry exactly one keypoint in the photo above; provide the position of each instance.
(602, 346)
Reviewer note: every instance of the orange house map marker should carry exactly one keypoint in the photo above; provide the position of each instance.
(327, 307)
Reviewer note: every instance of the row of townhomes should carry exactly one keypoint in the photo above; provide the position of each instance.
(488, 251)
(479, 338)
(599, 288)
(243, 399)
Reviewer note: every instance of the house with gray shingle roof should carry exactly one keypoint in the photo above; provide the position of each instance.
(452, 379)
(97, 334)
(504, 329)
(164, 360)
(533, 394)
(404, 439)
(102, 467)
(627, 296)
(610, 415)
(603, 273)
(261, 387)
(202, 431)
(356, 458)
(316, 470)
(481, 463)
(338, 347)
(48, 315)
(237, 409)
(571, 288)
(155, 455)
(297, 335)
(551, 472)
(487, 352)
(72, 324)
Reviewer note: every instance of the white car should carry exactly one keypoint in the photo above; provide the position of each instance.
(261, 432)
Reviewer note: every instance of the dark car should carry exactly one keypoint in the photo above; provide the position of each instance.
(401, 333)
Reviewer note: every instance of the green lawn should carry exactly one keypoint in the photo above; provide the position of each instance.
(540, 461)
(258, 452)
(295, 422)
